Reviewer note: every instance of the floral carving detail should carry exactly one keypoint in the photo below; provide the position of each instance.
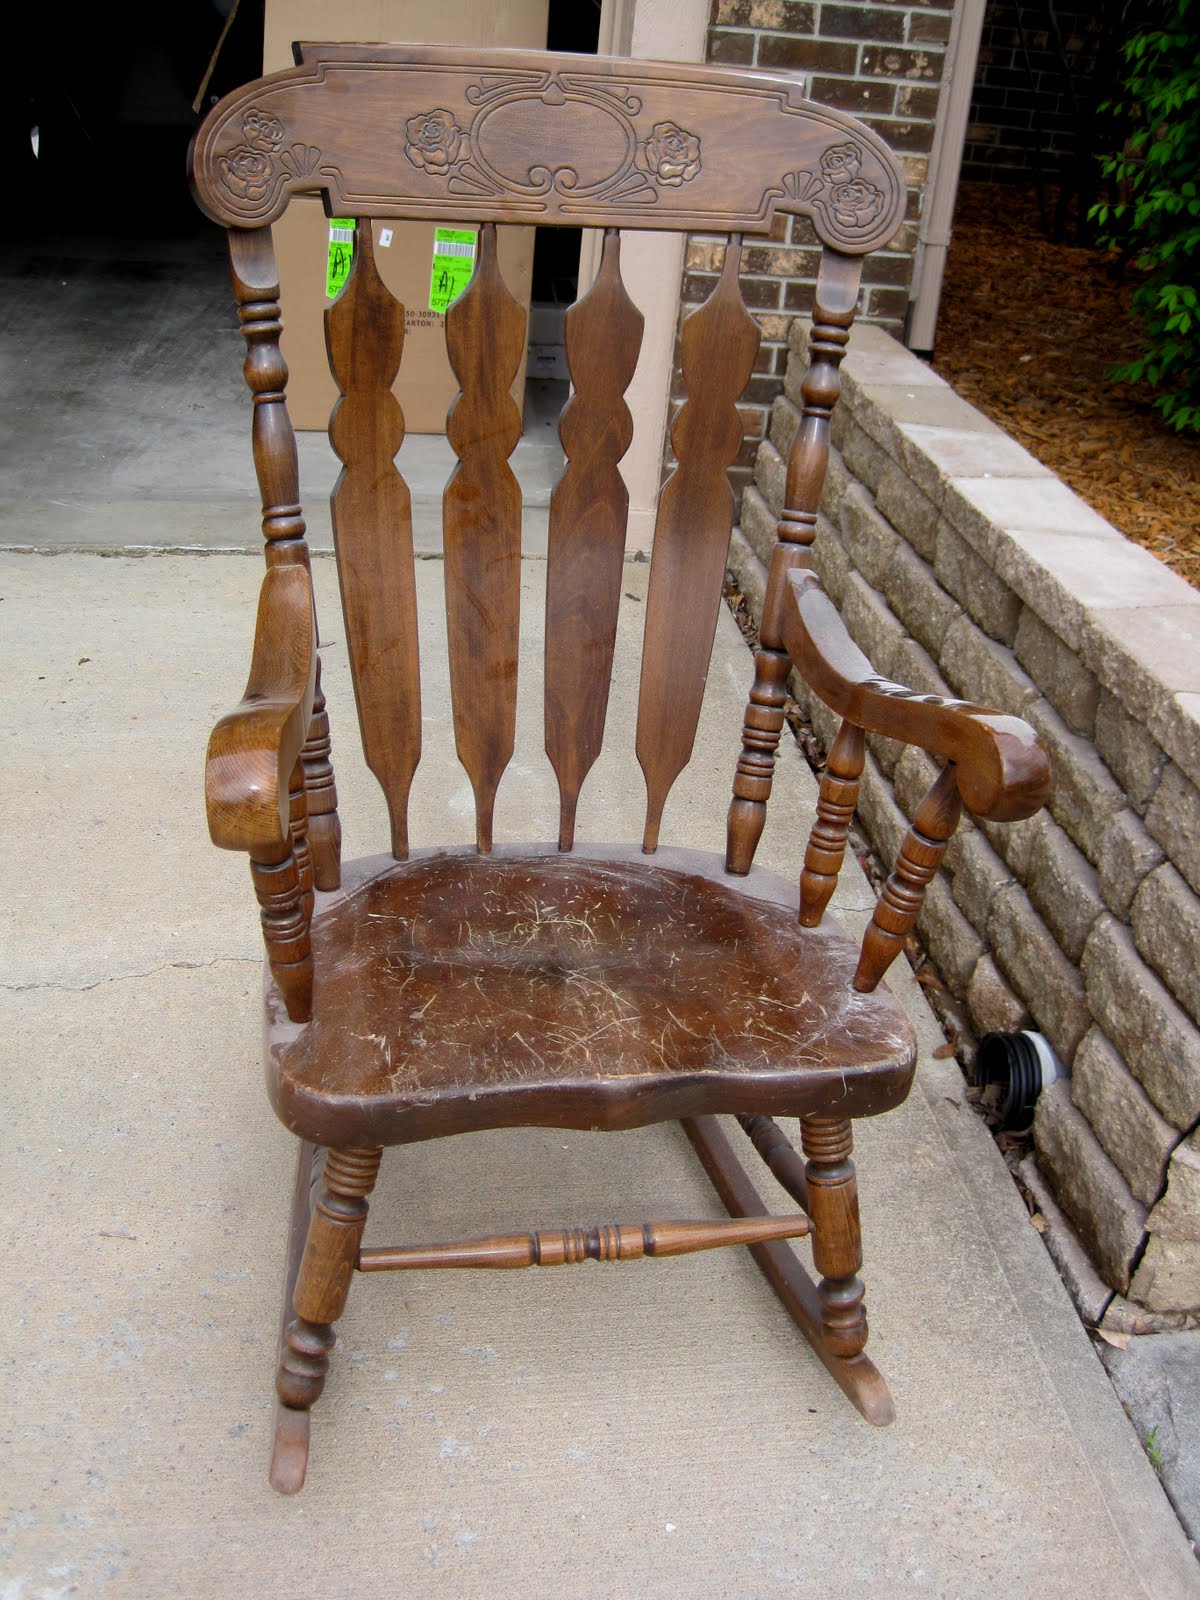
(246, 173)
(841, 163)
(670, 155)
(434, 141)
(857, 204)
(262, 131)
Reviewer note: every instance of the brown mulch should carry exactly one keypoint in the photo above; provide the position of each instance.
(1027, 331)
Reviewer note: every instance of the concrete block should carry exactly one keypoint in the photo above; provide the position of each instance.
(887, 753)
(1058, 672)
(1166, 930)
(1091, 1295)
(1075, 577)
(1168, 1276)
(908, 510)
(1123, 1117)
(953, 944)
(885, 823)
(1127, 855)
(915, 668)
(749, 572)
(1084, 796)
(1173, 818)
(916, 773)
(770, 473)
(862, 455)
(986, 598)
(830, 559)
(1129, 752)
(979, 876)
(837, 481)
(1064, 889)
(981, 670)
(871, 624)
(1144, 1021)
(869, 538)
(1028, 955)
(785, 419)
(1143, 643)
(1087, 1185)
(1015, 840)
(758, 523)
(1177, 1214)
(920, 602)
(933, 456)
(993, 1006)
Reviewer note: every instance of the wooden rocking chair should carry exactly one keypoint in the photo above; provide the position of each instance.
(541, 977)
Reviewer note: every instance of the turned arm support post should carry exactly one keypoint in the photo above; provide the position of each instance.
(994, 765)
(833, 313)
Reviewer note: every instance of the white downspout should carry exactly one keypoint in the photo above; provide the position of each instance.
(945, 163)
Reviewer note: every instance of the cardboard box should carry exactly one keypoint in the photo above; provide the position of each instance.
(425, 385)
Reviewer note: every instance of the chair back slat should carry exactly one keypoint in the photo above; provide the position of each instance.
(691, 536)
(372, 529)
(485, 340)
(588, 512)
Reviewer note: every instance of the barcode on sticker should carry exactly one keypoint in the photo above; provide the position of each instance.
(453, 264)
(341, 254)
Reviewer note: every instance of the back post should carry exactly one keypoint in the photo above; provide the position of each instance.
(283, 877)
(833, 313)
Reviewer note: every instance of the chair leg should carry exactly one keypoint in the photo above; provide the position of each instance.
(837, 1238)
(322, 1287)
(855, 1375)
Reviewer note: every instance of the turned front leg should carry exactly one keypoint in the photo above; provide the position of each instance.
(326, 1269)
(837, 1239)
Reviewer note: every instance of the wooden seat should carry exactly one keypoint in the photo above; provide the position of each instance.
(459, 992)
(587, 986)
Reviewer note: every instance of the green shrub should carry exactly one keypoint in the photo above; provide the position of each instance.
(1155, 210)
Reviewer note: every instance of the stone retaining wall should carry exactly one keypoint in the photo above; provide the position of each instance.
(962, 566)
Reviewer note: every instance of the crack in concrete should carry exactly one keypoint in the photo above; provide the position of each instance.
(125, 977)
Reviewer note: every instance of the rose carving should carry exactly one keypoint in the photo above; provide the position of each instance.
(246, 173)
(670, 155)
(841, 163)
(434, 141)
(262, 131)
(857, 204)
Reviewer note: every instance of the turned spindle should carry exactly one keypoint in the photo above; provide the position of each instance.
(326, 1270)
(899, 906)
(836, 800)
(285, 922)
(833, 314)
(320, 791)
(837, 1241)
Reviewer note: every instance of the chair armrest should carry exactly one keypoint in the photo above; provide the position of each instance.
(252, 751)
(1002, 772)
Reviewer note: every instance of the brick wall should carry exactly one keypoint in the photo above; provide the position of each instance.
(963, 566)
(884, 64)
(1022, 111)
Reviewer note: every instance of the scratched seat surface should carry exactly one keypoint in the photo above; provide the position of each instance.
(454, 990)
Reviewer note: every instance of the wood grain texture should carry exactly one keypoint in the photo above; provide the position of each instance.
(837, 1240)
(594, 989)
(256, 288)
(320, 790)
(588, 513)
(519, 136)
(561, 1247)
(691, 536)
(1003, 771)
(485, 339)
(372, 529)
(836, 800)
(253, 750)
(899, 906)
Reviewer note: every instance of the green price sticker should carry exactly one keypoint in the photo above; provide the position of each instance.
(341, 254)
(453, 264)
